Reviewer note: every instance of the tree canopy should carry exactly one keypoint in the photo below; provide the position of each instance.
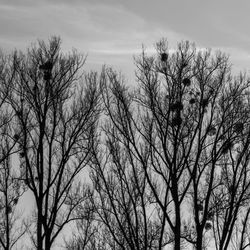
(163, 164)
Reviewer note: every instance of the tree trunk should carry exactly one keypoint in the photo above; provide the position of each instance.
(47, 242)
(39, 230)
(199, 239)
(177, 229)
(177, 233)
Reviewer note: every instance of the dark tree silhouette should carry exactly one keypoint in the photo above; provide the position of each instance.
(177, 146)
(196, 122)
(123, 198)
(167, 166)
(56, 112)
(11, 228)
(124, 214)
(87, 233)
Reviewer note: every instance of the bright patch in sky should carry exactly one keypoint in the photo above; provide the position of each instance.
(112, 31)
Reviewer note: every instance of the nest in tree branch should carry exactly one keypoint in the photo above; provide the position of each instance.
(186, 82)
(208, 226)
(47, 76)
(226, 146)
(211, 91)
(176, 106)
(164, 69)
(200, 207)
(238, 127)
(164, 57)
(16, 137)
(22, 154)
(204, 102)
(192, 101)
(19, 113)
(15, 201)
(222, 137)
(26, 181)
(46, 66)
(177, 120)
(185, 65)
(211, 130)
(210, 215)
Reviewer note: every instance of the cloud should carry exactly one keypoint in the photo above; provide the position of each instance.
(108, 33)
(112, 31)
(90, 25)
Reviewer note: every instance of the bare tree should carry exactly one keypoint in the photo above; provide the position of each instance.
(182, 137)
(11, 190)
(202, 127)
(231, 190)
(56, 114)
(169, 162)
(123, 198)
(123, 209)
(11, 228)
(217, 166)
(86, 235)
(241, 235)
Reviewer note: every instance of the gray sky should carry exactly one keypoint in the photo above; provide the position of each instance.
(112, 31)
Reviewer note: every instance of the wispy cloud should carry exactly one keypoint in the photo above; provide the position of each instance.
(90, 26)
(112, 31)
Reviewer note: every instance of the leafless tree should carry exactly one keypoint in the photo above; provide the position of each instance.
(218, 165)
(123, 196)
(233, 186)
(125, 215)
(11, 228)
(168, 163)
(86, 235)
(56, 112)
(11, 190)
(182, 138)
(199, 112)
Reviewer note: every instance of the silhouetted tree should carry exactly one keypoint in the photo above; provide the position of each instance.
(11, 190)
(123, 199)
(123, 210)
(241, 237)
(168, 165)
(56, 112)
(180, 141)
(198, 129)
(86, 234)
(11, 228)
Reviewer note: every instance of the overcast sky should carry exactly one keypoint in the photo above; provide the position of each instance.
(112, 31)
